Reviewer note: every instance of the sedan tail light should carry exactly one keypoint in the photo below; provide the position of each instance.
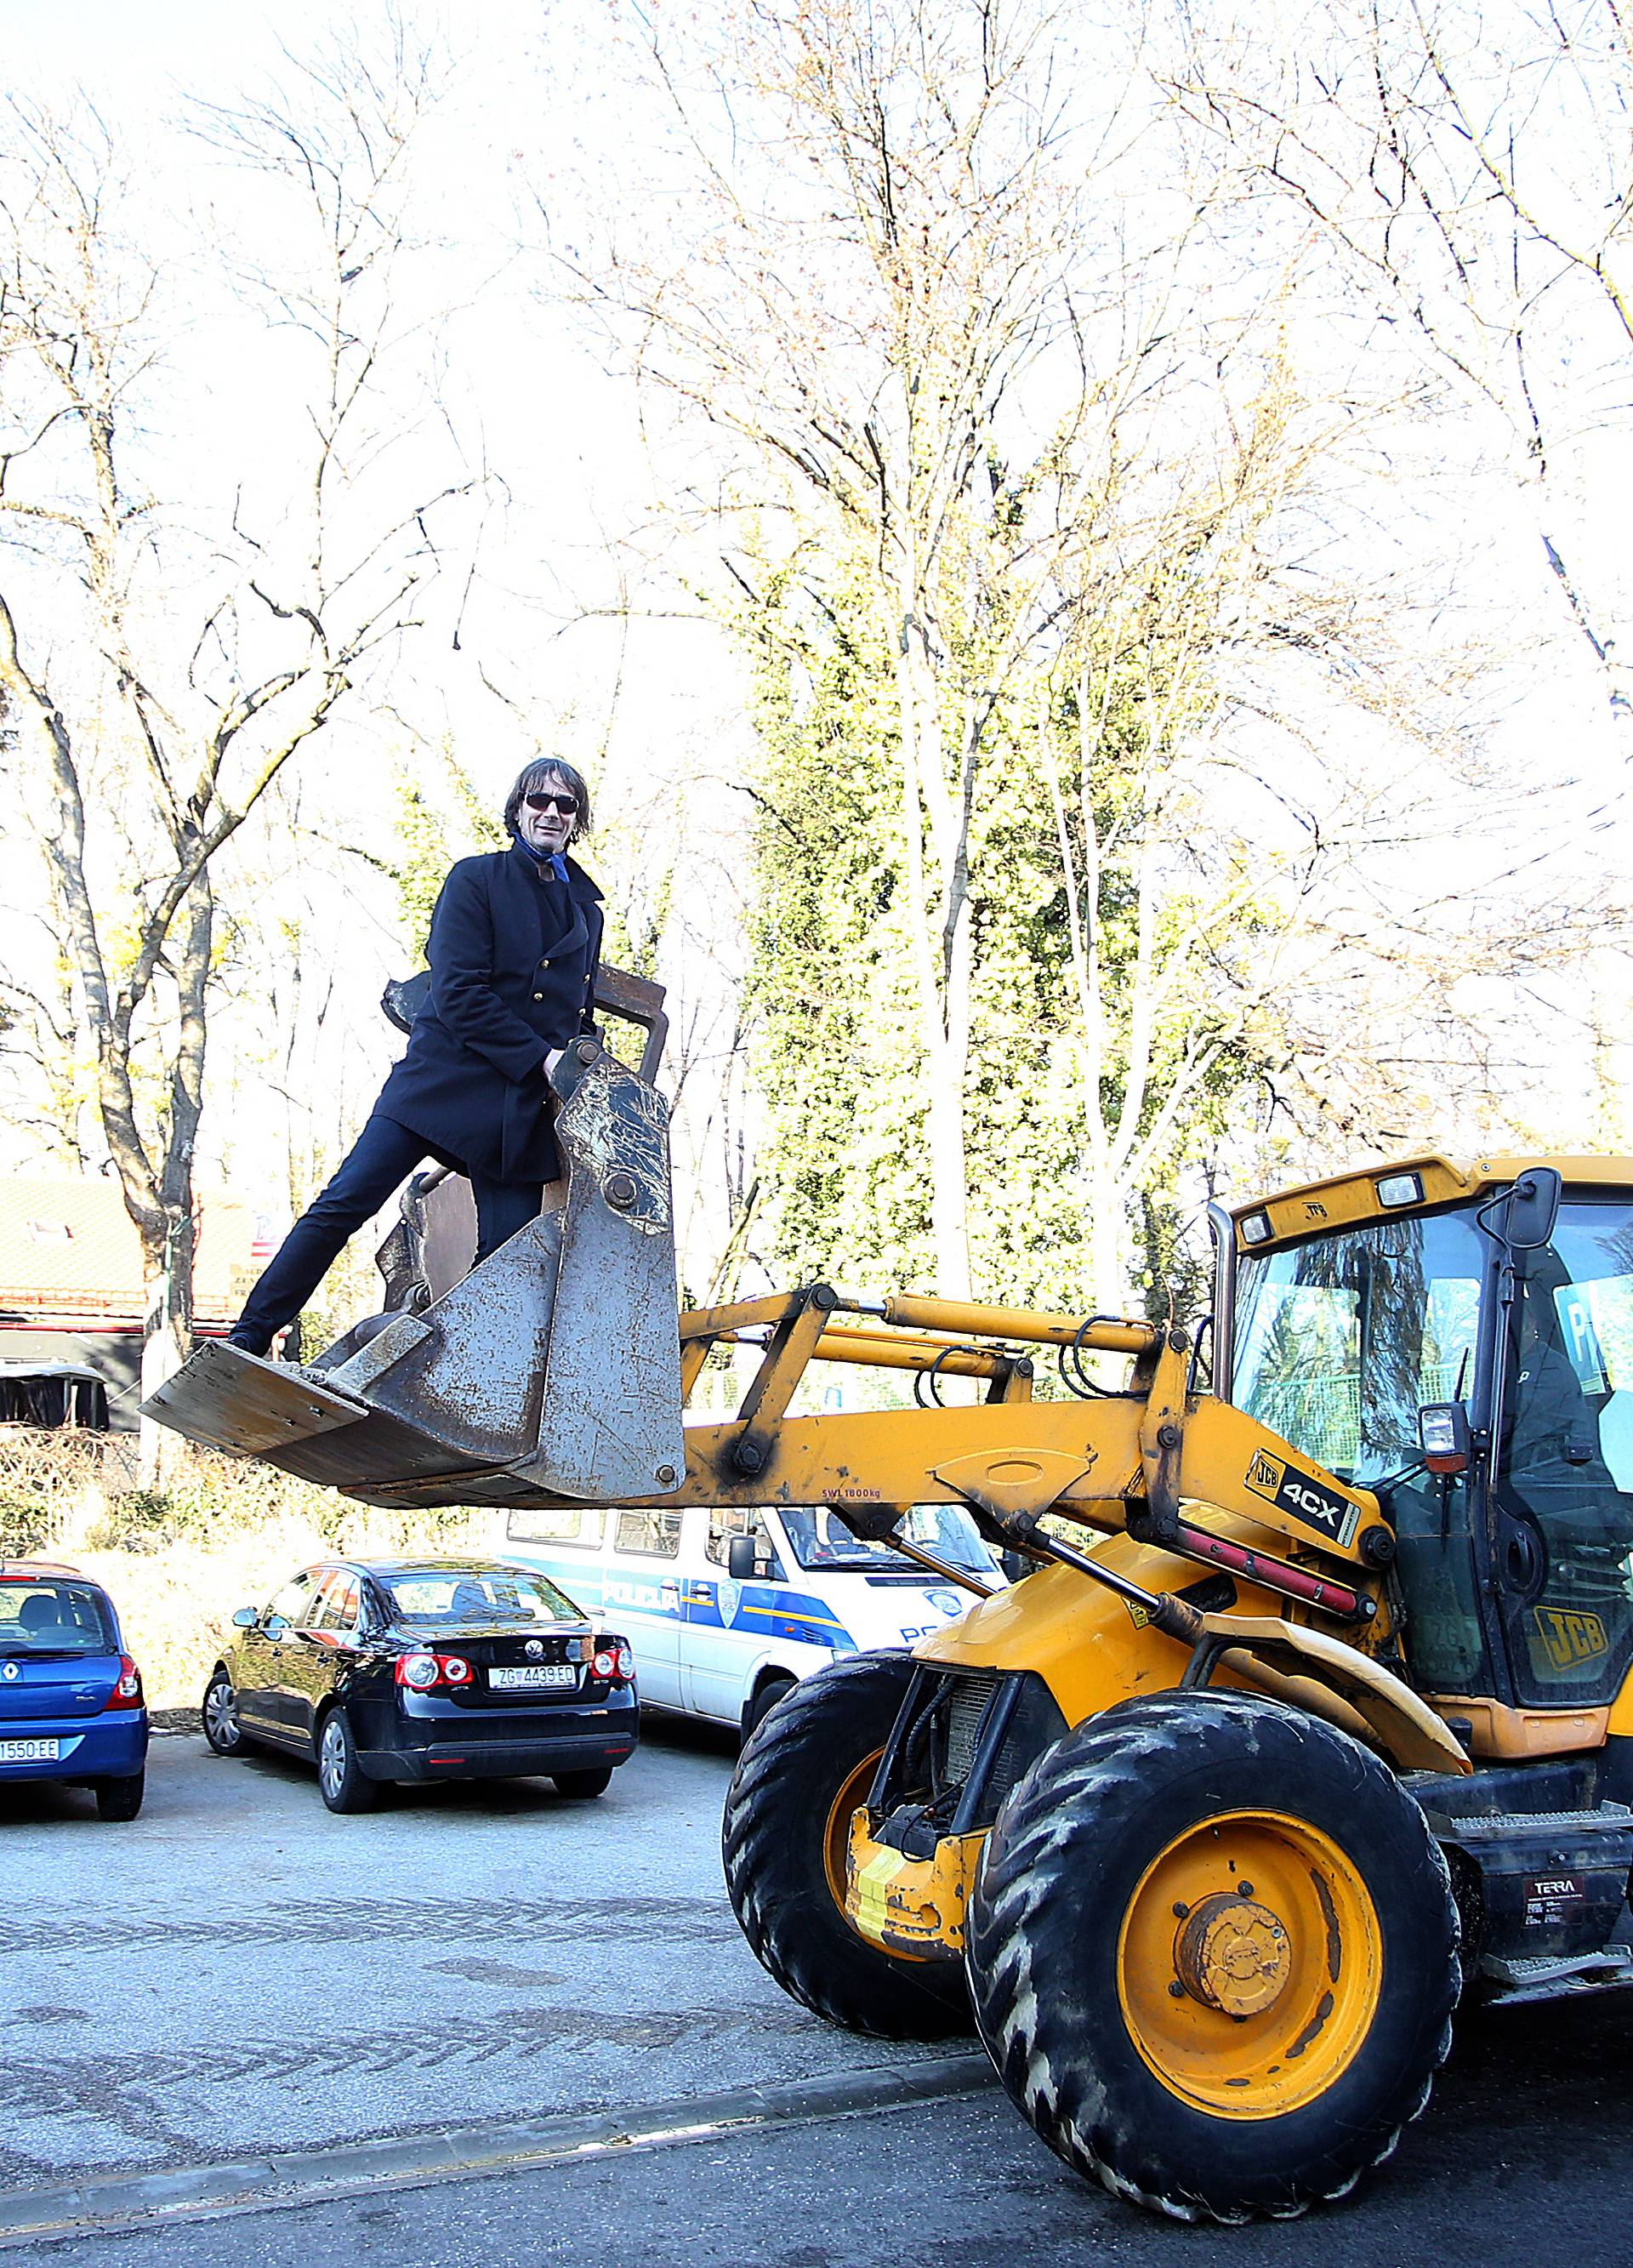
(127, 1693)
(421, 1671)
(612, 1661)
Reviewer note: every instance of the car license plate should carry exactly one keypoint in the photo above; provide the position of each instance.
(28, 1752)
(531, 1678)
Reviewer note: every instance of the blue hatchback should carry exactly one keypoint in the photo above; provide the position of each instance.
(71, 1696)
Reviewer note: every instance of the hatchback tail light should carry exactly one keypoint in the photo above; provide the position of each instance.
(127, 1693)
(612, 1661)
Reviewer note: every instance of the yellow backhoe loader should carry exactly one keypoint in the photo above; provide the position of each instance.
(1313, 1717)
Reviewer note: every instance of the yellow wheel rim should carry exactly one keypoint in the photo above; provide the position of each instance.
(837, 1834)
(1249, 1964)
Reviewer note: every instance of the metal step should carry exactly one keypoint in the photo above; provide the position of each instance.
(1608, 1970)
(1474, 1827)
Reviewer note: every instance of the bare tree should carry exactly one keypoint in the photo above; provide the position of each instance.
(1473, 172)
(160, 683)
(861, 305)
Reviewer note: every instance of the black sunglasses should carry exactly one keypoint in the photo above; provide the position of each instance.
(567, 805)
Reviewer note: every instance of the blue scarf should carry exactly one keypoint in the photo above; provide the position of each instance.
(549, 862)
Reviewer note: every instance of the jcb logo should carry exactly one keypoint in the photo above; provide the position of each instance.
(1264, 1475)
(1295, 1492)
(1570, 1639)
(1313, 1210)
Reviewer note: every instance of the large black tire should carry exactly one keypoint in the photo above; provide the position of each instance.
(802, 1773)
(1113, 1935)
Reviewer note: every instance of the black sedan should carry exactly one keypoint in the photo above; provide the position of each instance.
(425, 1669)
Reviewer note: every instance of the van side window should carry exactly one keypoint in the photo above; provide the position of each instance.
(656, 1533)
(727, 1520)
(577, 1524)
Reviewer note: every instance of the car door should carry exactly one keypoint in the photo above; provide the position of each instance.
(722, 1640)
(263, 1702)
(314, 1649)
(641, 1599)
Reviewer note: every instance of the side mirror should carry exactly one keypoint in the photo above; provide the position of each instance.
(1530, 1210)
(277, 1627)
(245, 1618)
(741, 1559)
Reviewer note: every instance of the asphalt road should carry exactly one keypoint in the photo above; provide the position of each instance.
(238, 1971)
(1506, 2169)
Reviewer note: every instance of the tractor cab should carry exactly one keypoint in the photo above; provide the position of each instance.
(1459, 1341)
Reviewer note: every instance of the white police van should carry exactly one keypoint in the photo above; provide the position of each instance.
(727, 1607)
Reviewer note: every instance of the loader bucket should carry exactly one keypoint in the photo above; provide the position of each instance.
(553, 1368)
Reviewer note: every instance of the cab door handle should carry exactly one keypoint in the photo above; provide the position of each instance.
(1526, 1562)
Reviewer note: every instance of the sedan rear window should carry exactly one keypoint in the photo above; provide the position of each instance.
(53, 1617)
(429, 1596)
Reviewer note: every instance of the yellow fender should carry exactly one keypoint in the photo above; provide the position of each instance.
(1331, 1680)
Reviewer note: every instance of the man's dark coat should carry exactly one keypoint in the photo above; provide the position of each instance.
(512, 955)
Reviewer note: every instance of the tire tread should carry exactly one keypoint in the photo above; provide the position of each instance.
(1025, 1873)
(788, 1917)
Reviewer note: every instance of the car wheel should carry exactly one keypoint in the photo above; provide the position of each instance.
(219, 1714)
(342, 1781)
(762, 1700)
(582, 1783)
(120, 1799)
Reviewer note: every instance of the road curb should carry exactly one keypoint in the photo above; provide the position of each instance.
(108, 2204)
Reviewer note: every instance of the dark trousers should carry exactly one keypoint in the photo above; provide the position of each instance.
(380, 1160)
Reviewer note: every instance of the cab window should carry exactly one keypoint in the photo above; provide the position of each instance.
(1341, 1339)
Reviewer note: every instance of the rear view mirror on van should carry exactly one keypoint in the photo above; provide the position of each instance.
(741, 1559)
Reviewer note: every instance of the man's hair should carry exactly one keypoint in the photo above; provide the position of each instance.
(544, 772)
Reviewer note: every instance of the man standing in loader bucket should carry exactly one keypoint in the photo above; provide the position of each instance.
(515, 940)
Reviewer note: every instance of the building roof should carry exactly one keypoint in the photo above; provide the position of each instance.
(71, 1257)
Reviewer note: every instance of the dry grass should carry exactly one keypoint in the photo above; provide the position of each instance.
(222, 1534)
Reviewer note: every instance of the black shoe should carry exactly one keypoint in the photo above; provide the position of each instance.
(251, 1342)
